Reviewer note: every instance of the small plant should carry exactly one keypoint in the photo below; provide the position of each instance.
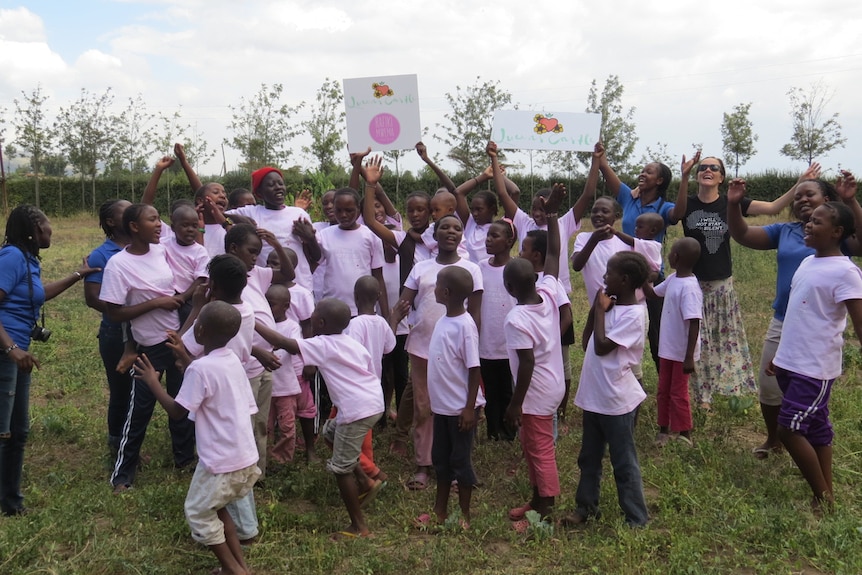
(540, 529)
(740, 405)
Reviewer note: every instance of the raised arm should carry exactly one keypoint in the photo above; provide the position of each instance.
(611, 179)
(846, 189)
(580, 207)
(759, 207)
(194, 180)
(277, 340)
(552, 207)
(510, 208)
(285, 272)
(372, 172)
(678, 211)
(445, 180)
(754, 237)
(462, 208)
(149, 194)
(356, 172)
(55, 288)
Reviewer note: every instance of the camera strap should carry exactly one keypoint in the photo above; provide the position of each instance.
(30, 291)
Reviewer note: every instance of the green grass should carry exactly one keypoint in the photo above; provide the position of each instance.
(714, 508)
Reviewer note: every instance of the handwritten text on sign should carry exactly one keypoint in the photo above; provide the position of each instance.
(526, 130)
(382, 112)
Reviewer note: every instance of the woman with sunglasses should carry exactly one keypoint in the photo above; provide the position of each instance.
(725, 366)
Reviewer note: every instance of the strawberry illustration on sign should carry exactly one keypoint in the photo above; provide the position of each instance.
(545, 124)
(381, 90)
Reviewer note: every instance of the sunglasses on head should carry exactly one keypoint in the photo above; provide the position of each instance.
(710, 167)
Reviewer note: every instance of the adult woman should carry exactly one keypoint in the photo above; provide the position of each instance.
(725, 362)
(787, 238)
(21, 297)
(647, 197)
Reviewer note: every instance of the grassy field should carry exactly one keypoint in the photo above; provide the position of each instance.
(714, 508)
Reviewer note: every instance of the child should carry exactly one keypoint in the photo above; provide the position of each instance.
(187, 258)
(215, 394)
(679, 341)
(137, 287)
(609, 393)
(240, 197)
(477, 215)
(355, 391)
(453, 389)
(301, 299)
(532, 330)
(826, 287)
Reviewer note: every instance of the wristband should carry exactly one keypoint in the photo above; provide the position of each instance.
(227, 222)
(202, 230)
(78, 274)
(10, 348)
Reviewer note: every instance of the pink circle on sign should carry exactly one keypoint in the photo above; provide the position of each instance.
(384, 128)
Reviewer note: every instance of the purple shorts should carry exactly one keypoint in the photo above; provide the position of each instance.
(805, 407)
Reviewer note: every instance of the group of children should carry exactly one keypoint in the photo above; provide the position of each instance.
(480, 328)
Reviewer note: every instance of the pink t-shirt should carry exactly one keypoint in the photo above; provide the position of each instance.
(349, 255)
(568, 226)
(350, 380)
(254, 294)
(426, 310)
(454, 349)
(607, 385)
(431, 243)
(537, 327)
(651, 250)
(132, 279)
(597, 264)
(474, 239)
(284, 380)
(375, 335)
(280, 223)
(301, 303)
(219, 399)
(187, 262)
(240, 344)
(214, 239)
(496, 304)
(683, 302)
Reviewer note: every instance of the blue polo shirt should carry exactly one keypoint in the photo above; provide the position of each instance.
(632, 208)
(18, 312)
(98, 258)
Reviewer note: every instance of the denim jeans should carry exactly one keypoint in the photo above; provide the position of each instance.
(119, 384)
(14, 420)
(140, 411)
(617, 432)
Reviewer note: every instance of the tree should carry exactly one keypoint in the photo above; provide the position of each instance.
(32, 132)
(325, 126)
(133, 141)
(85, 135)
(618, 126)
(659, 154)
(469, 122)
(262, 128)
(814, 134)
(737, 137)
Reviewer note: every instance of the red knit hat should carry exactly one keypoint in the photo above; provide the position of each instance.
(257, 176)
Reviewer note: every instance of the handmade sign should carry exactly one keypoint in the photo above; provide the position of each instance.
(382, 112)
(525, 130)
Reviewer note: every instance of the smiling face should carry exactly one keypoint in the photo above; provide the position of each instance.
(271, 191)
(448, 234)
(379, 213)
(807, 197)
(216, 193)
(537, 212)
(603, 213)
(821, 232)
(710, 172)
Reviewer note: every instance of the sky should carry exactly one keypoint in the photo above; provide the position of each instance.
(682, 64)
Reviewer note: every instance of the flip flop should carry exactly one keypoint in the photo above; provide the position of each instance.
(764, 452)
(424, 521)
(348, 536)
(419, 481)
(521, 527)
(518, 513)
(366, 498)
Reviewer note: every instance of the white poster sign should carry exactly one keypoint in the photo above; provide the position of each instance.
(382, 112)
(526, 130)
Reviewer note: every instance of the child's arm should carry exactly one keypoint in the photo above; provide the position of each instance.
(678, 211)
(130, 349)
(693, 337)
(649, 291)
(445, 180)
(627, 239)
(588, 328)
(552, 207)
(753, 237)
(603, 345)
(285, 272)
(200, 298)
(463, 208)
(510, 207)
(399, 312)
(194, 180)
(383, 298)
(144, 371)
(149, 194)
(303, 229)
(181, 354)
(611, 179)
(276, 339)
(566, 318)
(118, 313)
(474, 307)
(526, 364)
(580, 259)
(373, 171)
(356, 172)
(580, 207)
(854, 309)
(846, 189)
(191, 290)
(467, 421)
(266, 357)
(759, 207)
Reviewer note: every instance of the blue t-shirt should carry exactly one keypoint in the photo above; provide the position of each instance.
(98, 258)
(788, 239)
(632, 208)
(18, 313)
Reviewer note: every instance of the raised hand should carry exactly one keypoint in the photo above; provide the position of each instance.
(374, 169)
(812, 172)
(357, 157)
(422, 151)
(604, 302)
(164, 163)
(303, 199)
(179, 152)
(845, 186)
(491, 149)
(552, 203)
(688, 165)
(735, 190)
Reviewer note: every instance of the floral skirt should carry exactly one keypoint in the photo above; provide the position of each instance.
(725, 366)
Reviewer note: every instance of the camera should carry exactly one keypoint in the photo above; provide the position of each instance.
(40, 334)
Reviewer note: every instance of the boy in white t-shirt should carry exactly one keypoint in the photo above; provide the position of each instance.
(536, 360)
(609, 393)
(356, 392)
(215, 395)
(187, 258)
(679, 341)
(301, 299)
(453, 389)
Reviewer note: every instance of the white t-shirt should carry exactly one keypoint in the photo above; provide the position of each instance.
(454, 349)
(320, 271)
(683, 302)
(496, 303)
(651, 250)
(349, 255)
(392, 277)
(187, 262)
(431, 243)
(346, 367)
(812, 336)
(214, 239)
(219, 399)
(426, 310)
(240, 344)
(280, 223)
(597, 264)
(568, 226)
(132, 279)
(607, 385)
(301, 303)
(254, 294)
(537, 327)
(375, 335)
(284, 380)
(474, 239)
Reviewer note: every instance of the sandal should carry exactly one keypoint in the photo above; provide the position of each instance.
(419, 481)
(521, 527)
(366, 498)
(518, 513)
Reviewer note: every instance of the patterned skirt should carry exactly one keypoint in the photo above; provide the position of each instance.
(725, 366)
